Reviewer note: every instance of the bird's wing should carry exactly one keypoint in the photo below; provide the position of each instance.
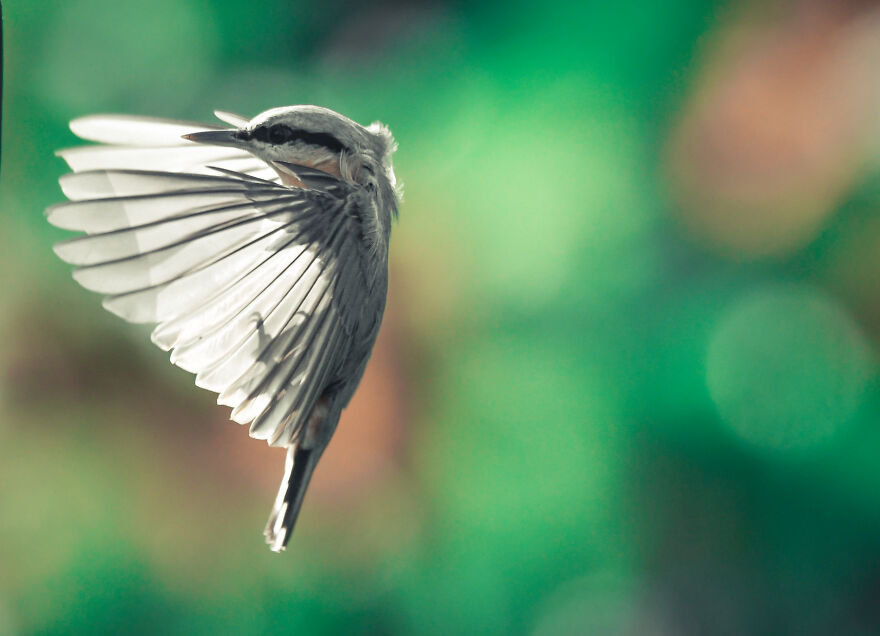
(252, 283)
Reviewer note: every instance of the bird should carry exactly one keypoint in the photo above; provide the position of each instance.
(258, 249)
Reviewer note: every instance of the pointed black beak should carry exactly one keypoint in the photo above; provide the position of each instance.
(232, 138)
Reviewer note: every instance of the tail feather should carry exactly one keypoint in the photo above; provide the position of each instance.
(302, 457)
(298, 469)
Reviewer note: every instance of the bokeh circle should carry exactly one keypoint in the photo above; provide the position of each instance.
(787, 367)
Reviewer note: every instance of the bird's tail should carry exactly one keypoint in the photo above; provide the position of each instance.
(298, 471)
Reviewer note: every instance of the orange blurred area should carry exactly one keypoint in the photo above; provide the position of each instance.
(781, 125)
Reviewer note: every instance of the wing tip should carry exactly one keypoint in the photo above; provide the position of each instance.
(85, 126)
(233, 119)
(67, 251)
(78, 125)
(51, 214)
(136, 313)
(58, 249)
(61, 216)
(161, 339)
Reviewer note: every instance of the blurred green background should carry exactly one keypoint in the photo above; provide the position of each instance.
(627, 382)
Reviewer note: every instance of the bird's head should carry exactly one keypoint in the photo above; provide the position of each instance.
(309, 135)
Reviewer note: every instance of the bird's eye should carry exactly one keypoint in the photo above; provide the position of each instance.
(279, 133)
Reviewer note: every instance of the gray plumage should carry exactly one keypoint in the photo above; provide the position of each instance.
(260, 252)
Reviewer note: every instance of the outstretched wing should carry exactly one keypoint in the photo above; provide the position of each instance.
(251, 282)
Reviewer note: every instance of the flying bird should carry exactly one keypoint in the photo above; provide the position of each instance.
(260, 252)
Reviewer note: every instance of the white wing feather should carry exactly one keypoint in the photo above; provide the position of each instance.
(242, 275)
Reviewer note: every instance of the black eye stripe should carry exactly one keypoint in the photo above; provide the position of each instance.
(280, 134)
(319, 139)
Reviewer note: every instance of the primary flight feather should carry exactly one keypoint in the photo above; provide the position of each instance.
(260, 251)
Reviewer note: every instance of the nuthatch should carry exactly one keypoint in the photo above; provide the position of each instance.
(261, 252)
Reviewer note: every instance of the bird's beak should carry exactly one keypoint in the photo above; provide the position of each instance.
(230, 138)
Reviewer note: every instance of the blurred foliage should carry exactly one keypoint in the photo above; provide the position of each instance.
(627, 383)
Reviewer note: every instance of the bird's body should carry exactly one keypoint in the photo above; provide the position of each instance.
(261, 252)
